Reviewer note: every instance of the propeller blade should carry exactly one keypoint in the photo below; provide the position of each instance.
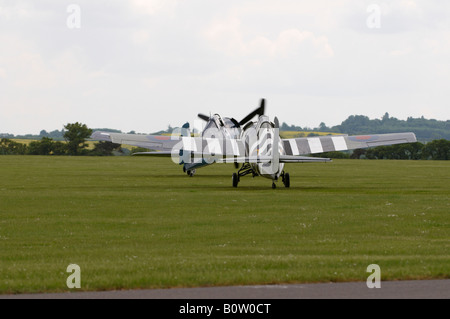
(259, 111)
(204, 117)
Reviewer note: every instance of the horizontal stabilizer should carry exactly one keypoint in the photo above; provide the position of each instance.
(268, 159)
(302, 159)
(156, 154)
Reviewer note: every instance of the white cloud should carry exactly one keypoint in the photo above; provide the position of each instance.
(140, 37)
(154, 7)
(229, 38)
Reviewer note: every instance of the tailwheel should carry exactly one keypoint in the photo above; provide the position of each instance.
(235, 179)
(286, 180)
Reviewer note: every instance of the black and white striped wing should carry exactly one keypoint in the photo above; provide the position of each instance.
(314, 145)
(198, 145)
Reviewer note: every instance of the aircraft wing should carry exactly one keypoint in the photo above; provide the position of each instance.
(154, 142)
(173, 144)
(313, 145)
(234, 150)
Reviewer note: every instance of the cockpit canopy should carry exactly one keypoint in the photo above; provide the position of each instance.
(228, 127)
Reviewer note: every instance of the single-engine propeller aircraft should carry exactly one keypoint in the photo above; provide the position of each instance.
(255, 144)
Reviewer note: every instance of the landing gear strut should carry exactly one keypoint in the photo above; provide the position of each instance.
(235, 180)
(247, 169)
(244, 170)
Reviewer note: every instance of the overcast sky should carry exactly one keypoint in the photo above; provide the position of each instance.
(144, 64)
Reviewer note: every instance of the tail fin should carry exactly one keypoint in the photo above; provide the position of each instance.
(185, 131)
(185, 156)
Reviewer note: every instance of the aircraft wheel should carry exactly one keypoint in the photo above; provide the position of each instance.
(274, 185)
(191, 172)
(287, 180)
(235, 180)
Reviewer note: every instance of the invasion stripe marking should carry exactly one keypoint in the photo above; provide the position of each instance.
(315, 145)
(327, 144)
(294, 147)
(339, 143)
(287, 147)
(303, 146)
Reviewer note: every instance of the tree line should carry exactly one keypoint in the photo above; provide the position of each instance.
(426, 130)
(74, 134)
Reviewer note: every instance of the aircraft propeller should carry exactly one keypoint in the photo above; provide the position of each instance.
(204, 117)
(259, 111)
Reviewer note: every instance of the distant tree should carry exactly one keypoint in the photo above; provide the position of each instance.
(358, 153)
(43, 133)
(56, 134)
(323, 127)
(9, 147)
(76, 135)
(426, 130)
(437, 150)
(6, 135)
(408, 151)
(286, 127)
(412, 151)
(42, 147)
(46, 146)
(356, 124)
(59, 148)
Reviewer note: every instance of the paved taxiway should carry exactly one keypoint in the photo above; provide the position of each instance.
(414, 289)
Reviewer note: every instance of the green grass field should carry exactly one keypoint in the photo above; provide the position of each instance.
(139, 222)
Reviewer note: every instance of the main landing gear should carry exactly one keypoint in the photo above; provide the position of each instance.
(285, 178)
(235, 179)
(244, 170)
(189, 172)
